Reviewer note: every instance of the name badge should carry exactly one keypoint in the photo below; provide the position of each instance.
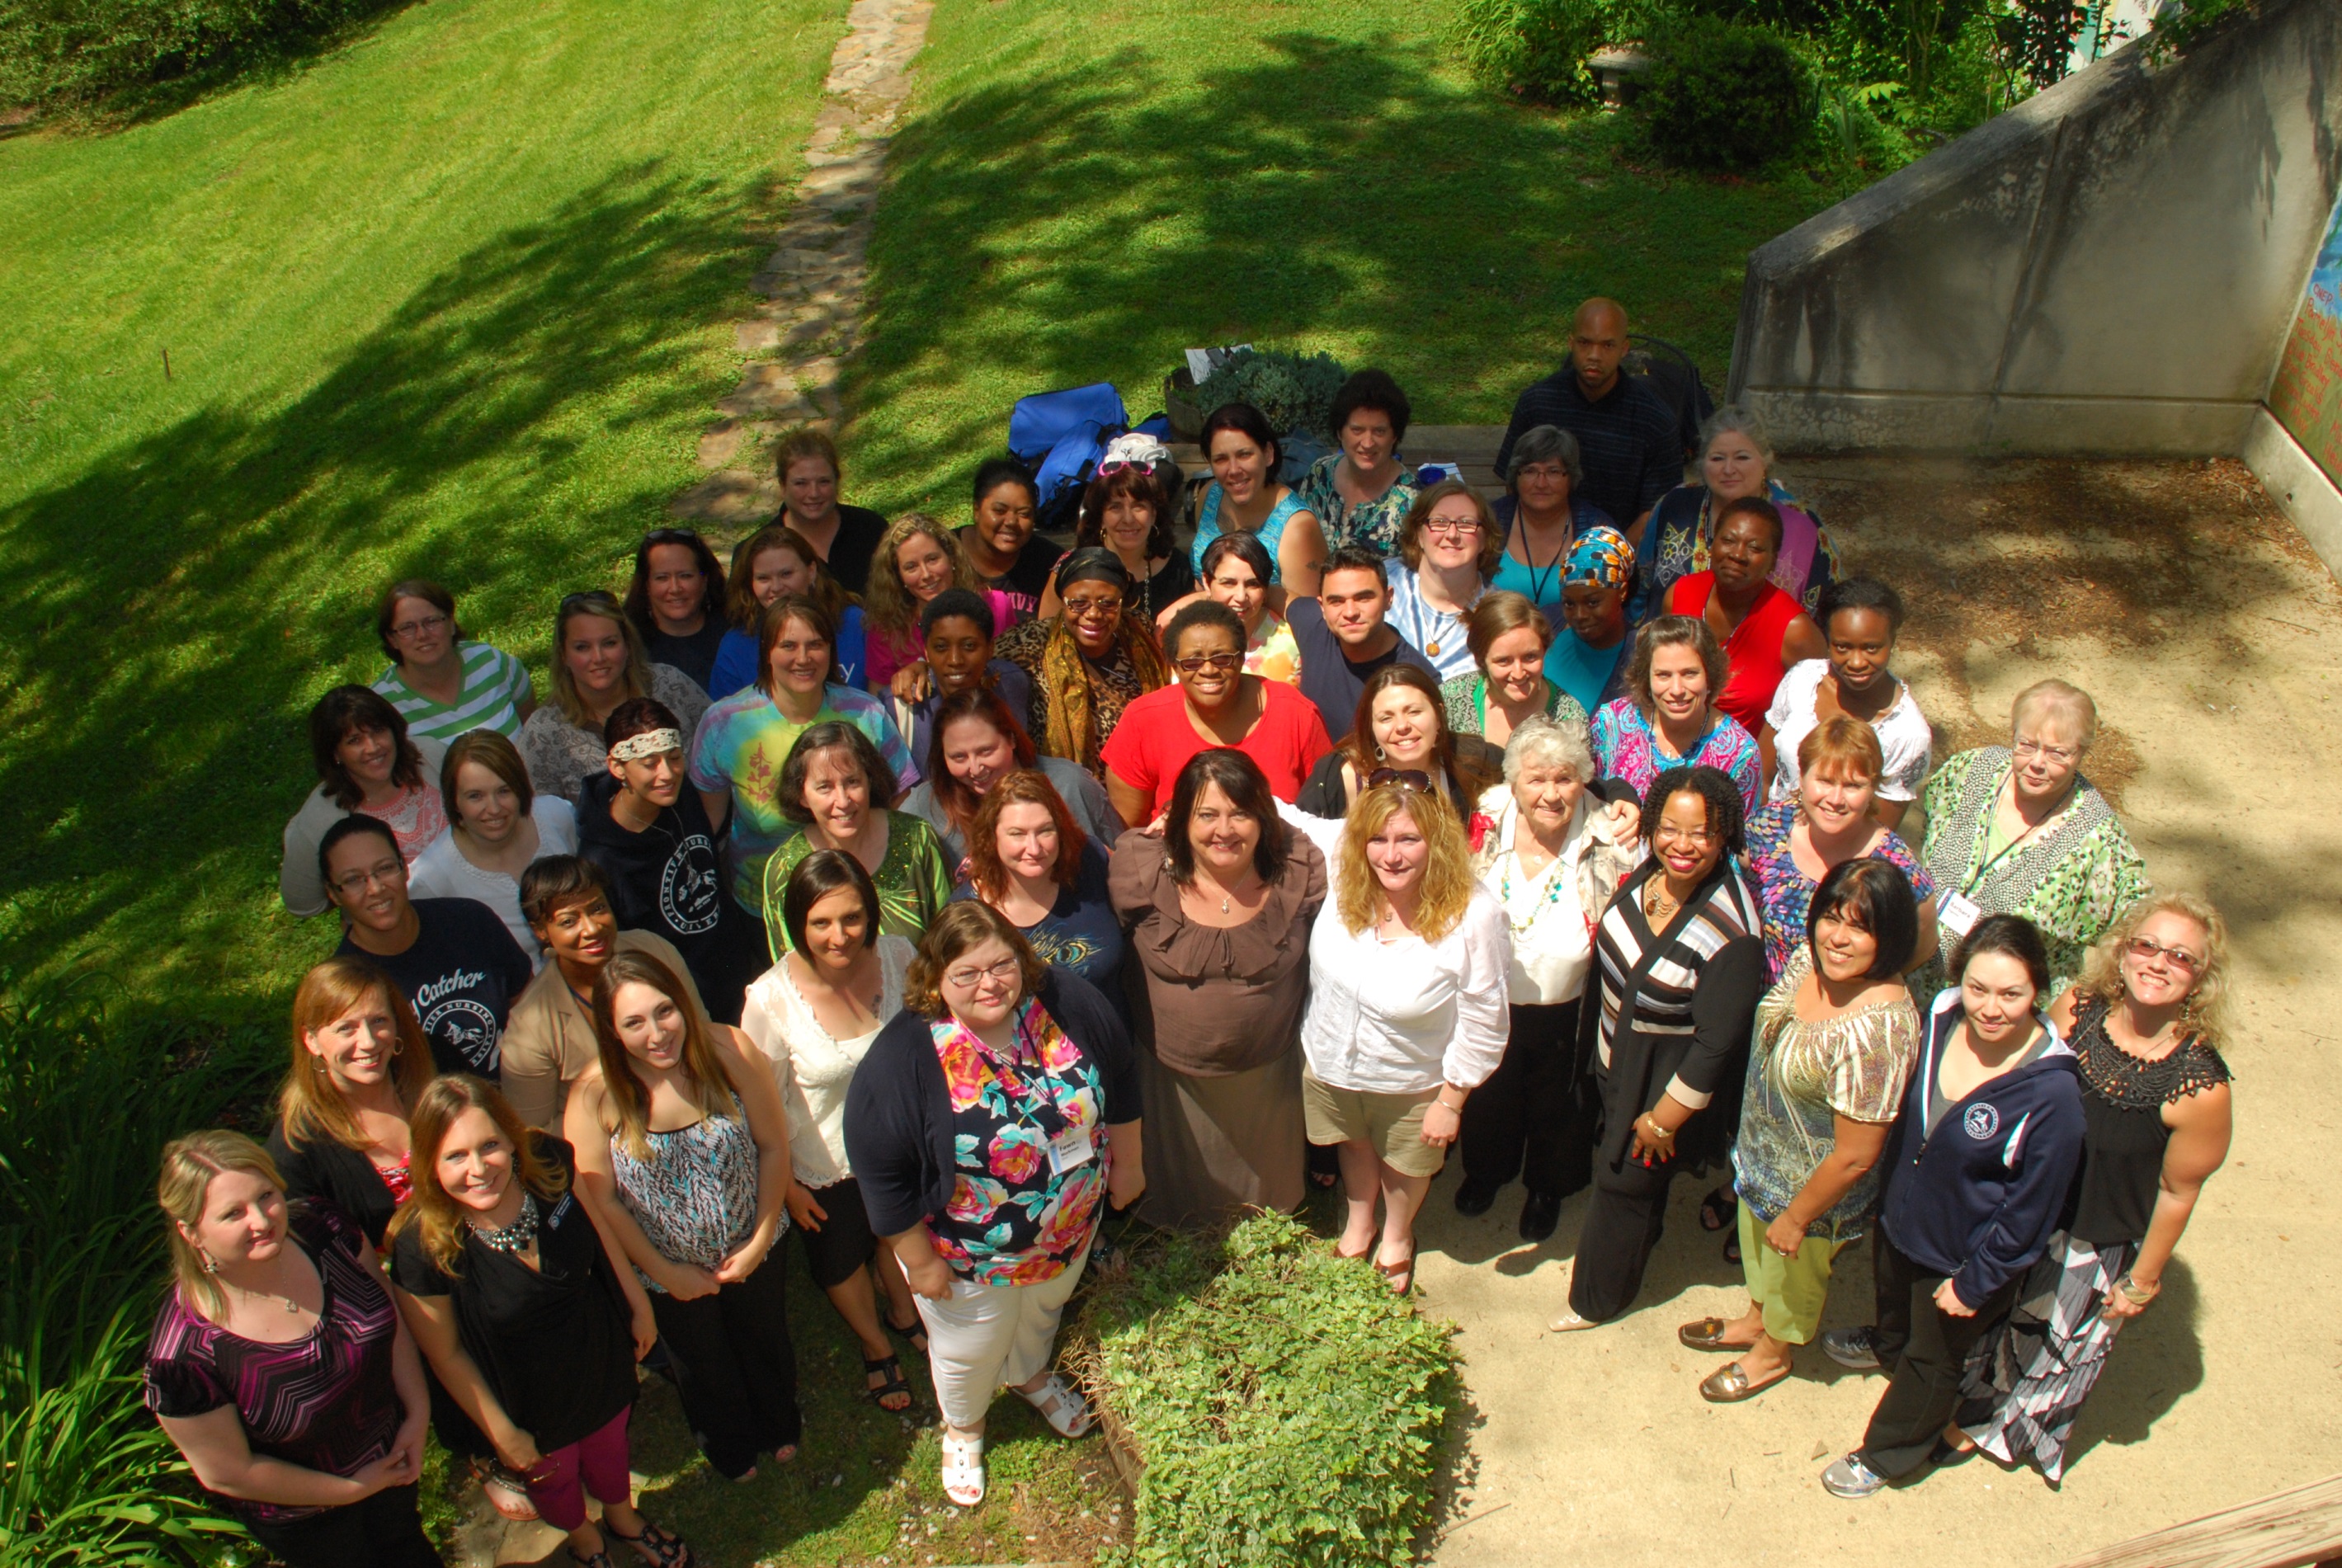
(1069, 1149)
(1957, 913)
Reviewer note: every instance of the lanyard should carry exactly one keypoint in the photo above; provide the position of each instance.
(1528, 559)
(1975, 879)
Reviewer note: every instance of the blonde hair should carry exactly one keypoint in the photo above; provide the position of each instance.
(189, 1163)
(432, 1209)
(636, 682)
(629, 1100)
(308, 1105)
(2206, 1013)
(886, 605)
(1447, 880)
(2068, 704)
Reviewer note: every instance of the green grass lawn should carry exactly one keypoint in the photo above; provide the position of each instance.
(1084, 189)
(448, 301)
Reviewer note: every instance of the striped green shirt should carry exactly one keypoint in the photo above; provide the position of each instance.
(495, 687)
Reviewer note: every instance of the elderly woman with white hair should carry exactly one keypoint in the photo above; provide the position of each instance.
(2018, 830)
(1541, 514)
(1553, 860)
(1735, 463)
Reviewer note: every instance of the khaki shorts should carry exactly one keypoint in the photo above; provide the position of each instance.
(1391, 1123)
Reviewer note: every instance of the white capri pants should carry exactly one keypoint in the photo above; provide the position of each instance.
(986, 1336)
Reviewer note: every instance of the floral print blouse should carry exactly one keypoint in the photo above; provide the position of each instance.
(1627, 747)
(1785, 894)
(1020, 1213)
(1372, 525)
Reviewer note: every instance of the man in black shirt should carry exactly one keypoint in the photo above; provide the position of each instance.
(451, 958)
(1343, 639)
(1000, 541)
(1627, 435)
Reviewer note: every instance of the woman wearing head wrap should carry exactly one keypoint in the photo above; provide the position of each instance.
(1587, 658)
(1088, 662)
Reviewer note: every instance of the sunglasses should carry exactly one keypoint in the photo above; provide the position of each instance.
(1406, 778)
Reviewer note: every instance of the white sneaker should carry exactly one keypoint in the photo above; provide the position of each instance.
(1851, 1349)
(1851, 1478)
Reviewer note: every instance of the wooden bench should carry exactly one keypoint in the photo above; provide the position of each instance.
(2288, 1530)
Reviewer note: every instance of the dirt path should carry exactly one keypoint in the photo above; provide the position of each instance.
(2212, 638)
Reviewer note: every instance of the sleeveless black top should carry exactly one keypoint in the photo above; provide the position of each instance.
(2123, 1099)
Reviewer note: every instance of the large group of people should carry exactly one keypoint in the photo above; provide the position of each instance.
(929, 893)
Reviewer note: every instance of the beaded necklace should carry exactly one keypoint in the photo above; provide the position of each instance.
(513, 1237)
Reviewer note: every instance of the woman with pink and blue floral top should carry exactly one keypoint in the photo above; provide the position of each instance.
(1670, 719)
(990, 1124)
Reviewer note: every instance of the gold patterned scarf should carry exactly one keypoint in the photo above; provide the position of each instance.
(1081, 714)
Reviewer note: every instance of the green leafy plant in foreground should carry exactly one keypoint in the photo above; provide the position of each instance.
(1284, 1406)
(1294, 390)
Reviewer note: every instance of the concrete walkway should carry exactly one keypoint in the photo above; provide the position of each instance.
(2211, 638)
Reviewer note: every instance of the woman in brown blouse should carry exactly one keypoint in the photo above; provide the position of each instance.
(1218, 910)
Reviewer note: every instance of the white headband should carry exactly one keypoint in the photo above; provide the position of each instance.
(649, 743)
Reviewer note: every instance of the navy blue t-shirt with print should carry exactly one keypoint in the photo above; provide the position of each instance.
(462, 974)
(1080, 931)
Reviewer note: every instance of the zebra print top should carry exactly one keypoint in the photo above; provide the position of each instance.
(696, 1196)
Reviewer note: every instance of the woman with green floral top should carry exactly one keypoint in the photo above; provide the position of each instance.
(1508, 636)
(2018, 830)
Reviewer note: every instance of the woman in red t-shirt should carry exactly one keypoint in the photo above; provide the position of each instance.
(1762, 629)
(1216, 704)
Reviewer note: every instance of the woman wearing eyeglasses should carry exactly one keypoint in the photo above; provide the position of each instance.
(1401, 732)
(443, 683)
(1541, 513)
(2145, 1023)
(1447, 554)
(599, 662)
(2018, 830)
(1216, 704)
(1088, 663)
(989, 1122)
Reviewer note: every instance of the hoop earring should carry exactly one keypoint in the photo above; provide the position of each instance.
(1378, 754)
(210, 1265)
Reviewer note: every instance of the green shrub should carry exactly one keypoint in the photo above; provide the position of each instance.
(53, 50)
(1294, 390)
(85, 1475)
(1725, 97)
(1285, 1405)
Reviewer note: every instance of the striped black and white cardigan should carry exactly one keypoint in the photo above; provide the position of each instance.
(1677, 1005)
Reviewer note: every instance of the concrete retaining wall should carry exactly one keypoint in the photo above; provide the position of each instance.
(2111, 267)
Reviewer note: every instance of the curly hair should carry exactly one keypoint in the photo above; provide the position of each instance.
(1447, 879)
(2206, 1013)
(1726, 818)
(1140, 484)
(886, 605)
(960, 929)
(1025, 786)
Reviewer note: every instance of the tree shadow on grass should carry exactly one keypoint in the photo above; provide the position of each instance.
(176, 607)
(1098, 217)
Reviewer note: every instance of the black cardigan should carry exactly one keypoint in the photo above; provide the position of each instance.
(898, 1122)
(325, 1168)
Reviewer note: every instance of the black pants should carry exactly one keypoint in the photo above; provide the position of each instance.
(381, 1532)
(1925, 1347)
(1535, 1115)
(735, 1367)
(1623, 1224)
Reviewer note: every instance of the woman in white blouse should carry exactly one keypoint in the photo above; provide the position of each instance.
(1552, 860)
(814, 1013)
(497, 827)
(1859, 619)
(1406, 1011)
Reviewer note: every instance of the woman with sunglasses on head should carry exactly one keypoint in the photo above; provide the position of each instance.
(1245, 496)
(1401, 732)
(978, 741)
(528, 1312)
(2018, 830)
(675, 600)
(1089, 663)
(498, 825)
(366, 762)
(993, 1119)
(739, 750)
(1859, 617)
(836, 789)
(1216, 704)
(774, 562)
(1361, 493)
(917, 559)
(814, 1014)
(279, 1368)
(683, 1156)
(599, 662)
(1508, 637)
(442, 683)
(1028, 859)
(645, 827)
(1448, 552)
(1406, 1012)
(844, 538)
(2144, 1022)
(1681, 956)
(1126, 509)
(1983, 1153)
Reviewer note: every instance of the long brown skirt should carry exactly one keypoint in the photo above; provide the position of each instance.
(1217, 1145)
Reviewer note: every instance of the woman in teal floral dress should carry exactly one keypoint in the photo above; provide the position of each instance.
(2018, 830)
(991, 1119)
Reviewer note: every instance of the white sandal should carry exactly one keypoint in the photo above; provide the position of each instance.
(1061, 1407)
(963, 1470)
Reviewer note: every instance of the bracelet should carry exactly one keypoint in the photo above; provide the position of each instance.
(2137, 1293)
(1658, 1132)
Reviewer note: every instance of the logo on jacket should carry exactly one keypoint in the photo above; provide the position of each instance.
(1982, 1121)
(689, 888)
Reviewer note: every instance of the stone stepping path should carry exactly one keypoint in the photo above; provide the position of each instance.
(815, 280)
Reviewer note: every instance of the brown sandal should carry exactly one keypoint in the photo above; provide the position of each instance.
(1730, 1385)
(1708, 1333)
(1390, 1271)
